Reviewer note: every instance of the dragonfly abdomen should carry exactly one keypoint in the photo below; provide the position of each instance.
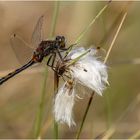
(12, 74)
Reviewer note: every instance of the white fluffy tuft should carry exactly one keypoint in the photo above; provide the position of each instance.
(89, 71)
(63, 105)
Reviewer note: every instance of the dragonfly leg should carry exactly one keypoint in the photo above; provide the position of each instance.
(67, 50)
(48, 62)
(53, 60)
(70, 47)
(60, 55)
(52, 57)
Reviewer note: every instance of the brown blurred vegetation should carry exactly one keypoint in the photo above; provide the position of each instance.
(19, 97)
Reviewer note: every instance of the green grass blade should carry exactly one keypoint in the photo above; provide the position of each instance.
(86, 29)
(84, 117)
(91, 23)
(39, 116)
(54, 20)
(55, 15)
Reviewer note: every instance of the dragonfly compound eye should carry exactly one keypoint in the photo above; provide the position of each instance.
(61, 41)
(58, 38)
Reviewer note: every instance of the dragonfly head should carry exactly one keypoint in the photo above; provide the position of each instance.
(60, 40)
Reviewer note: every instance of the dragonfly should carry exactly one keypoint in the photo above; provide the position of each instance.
(42, 49)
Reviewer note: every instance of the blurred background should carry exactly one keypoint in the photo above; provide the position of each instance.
(20, 96)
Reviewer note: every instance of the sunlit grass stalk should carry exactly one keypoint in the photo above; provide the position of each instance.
(39, 116)
(107, 97)
(112, 129)
(86, 29)
(54, 20)
(107, 55)
(84, 117)
(56, 80)
(91, 23)
(135, 136)
(114, 38)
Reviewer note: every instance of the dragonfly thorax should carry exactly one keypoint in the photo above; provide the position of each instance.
(48, 47)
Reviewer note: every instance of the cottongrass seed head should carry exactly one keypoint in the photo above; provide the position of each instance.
(64, 102)
(88, 71)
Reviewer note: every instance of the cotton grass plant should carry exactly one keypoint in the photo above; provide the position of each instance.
(62, 100)
(41, 106)
(82, 67)
(74, 70)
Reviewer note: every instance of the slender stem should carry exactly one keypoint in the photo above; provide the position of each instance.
(56, 80)
(91, 23)
(108, 52)
(39, 116)
(108, 104)
(114, 39)
(77, 58)
(85, 30)
(129, 108)
(84, 117)
(54, 20)
(135, 135)
(56, 83)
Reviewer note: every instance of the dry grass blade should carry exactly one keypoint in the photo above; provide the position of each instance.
(114, 39)
(107, 55)
(135, 136)
(130, 107)
(91, 23)
(86, 29)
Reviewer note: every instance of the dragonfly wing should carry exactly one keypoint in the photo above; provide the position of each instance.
(37, 33)
(22, 50)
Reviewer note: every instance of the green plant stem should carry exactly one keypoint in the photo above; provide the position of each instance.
(39, 116)
(56, 83)
(40, 112)
(107, 55)
(91, 23)
(77, 58)
(84, 117)
(85, 30)
(56, 80)
(54, 20)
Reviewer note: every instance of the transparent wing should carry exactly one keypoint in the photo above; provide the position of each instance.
(22, 50)
(37, 33)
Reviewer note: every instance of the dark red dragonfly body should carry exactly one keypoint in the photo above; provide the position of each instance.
(44, 48)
